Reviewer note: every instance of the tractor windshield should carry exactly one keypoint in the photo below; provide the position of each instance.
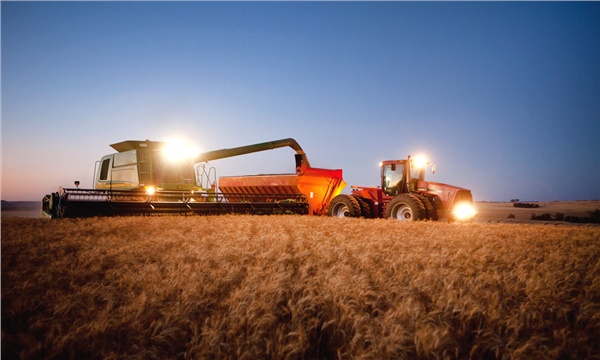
(392, 176)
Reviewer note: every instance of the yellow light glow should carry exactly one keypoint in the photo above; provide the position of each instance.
(419, 162)
(464, 212)
(150, 190)
(177, 151)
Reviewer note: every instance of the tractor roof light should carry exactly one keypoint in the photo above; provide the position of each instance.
(420, 162)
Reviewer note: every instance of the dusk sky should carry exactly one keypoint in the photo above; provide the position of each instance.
(503, 97)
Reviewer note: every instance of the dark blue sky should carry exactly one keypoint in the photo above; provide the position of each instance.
(503, 97)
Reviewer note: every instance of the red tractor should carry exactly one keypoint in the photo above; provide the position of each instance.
(405, 195)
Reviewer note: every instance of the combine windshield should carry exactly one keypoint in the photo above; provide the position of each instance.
(177, 172)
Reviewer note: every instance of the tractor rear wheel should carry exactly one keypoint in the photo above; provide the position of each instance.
(406, 207)
(429, 207)
(343, 206)
(365, 207)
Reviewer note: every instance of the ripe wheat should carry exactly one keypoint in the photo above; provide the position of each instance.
(292, 287)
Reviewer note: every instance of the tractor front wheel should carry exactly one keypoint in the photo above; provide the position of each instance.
(343, 206)
(406, 207)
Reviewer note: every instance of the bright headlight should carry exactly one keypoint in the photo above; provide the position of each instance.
(464, 211)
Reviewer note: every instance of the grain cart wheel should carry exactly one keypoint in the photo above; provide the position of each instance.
(429, 207)
(406, 207)
(343, 206)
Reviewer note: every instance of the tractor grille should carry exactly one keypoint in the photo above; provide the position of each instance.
(463, 196)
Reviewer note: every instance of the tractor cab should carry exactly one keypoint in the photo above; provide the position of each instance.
(394, 176)
(402, 176)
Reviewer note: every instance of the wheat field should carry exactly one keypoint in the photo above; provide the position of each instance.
(297, 287)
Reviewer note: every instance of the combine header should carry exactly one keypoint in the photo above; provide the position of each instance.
(150, 177)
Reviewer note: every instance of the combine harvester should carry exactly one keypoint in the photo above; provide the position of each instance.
(150, 177)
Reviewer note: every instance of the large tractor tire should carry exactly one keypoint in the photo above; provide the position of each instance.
(429, 207)
(343, 206)
(365, 206)
(406, 207)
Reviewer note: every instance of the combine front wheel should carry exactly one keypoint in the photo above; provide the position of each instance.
(343, 206)
(406, 207)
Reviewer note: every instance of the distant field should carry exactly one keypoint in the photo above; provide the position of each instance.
(500, 211)
(256, 287)
(28, 209)
(488, 212)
